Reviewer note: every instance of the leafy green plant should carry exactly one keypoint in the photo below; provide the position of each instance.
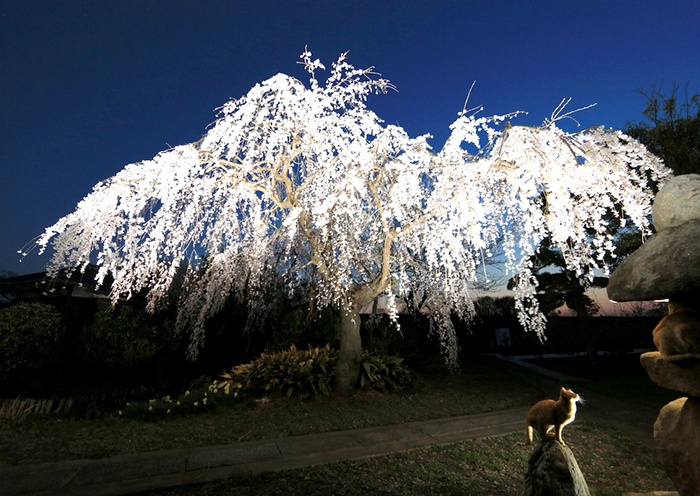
(29, 335)
(383, 372)
(299, 373)
(308, 373)
(293, 373)
(199, 400)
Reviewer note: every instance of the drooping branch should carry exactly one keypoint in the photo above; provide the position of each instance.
(294, 179)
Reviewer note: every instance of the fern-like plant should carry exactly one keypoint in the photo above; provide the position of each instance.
(301, 373)
(383, 373)
(308, 373)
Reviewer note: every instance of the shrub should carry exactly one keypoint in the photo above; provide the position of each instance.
(300, 373)
(29, 338)
(122, 337)
(386, 372)
(306, 373)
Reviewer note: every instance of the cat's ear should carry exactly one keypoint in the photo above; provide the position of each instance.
(562, 389)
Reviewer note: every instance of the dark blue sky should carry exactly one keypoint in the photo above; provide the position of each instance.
(87, 87)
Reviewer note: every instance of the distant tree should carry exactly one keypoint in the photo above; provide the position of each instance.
(308, 183)
(672, 133)
(502, 307)
(672, 128)
(559, 285)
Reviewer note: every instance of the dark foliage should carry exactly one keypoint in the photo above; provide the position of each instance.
(672, 128)
(29, 338)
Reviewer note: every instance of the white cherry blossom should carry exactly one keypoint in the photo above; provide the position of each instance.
(307, 181)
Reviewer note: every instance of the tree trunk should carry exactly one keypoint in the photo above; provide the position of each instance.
(347, 370)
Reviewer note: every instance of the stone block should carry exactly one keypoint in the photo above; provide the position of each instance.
(677, 203)
(677, 436)
(684, 378)
(552, 470)
(668, 264)
(232, 454)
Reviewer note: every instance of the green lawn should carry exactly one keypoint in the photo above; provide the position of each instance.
(610, 462)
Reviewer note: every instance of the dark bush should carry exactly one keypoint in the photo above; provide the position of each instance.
(300, 325)
(29, 338)
(123, 337)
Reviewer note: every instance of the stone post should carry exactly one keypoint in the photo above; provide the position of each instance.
(552, 470)
(667, 266)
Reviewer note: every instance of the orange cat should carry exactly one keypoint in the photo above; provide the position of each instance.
(548, 414)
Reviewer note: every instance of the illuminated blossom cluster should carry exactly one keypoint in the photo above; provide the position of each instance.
(307, 182)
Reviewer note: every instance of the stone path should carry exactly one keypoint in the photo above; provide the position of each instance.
(158, 469)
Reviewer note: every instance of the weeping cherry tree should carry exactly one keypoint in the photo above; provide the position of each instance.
(307, 182)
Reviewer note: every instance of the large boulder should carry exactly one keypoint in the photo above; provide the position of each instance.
(665, 266)
(677, 203)
(677, 435)
(552, 470)
(683, 376)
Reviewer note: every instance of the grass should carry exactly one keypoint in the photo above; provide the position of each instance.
(621, 377)
(483, 386)
(611, 462)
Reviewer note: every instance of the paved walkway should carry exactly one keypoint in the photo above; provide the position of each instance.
(142, 471)
(159, 469)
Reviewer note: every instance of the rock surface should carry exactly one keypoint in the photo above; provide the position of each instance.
(683, 377)
(552, 470)
(677, 435)
(665, 266)
(677, 203)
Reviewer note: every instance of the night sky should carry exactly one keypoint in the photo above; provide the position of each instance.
(88, 87)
